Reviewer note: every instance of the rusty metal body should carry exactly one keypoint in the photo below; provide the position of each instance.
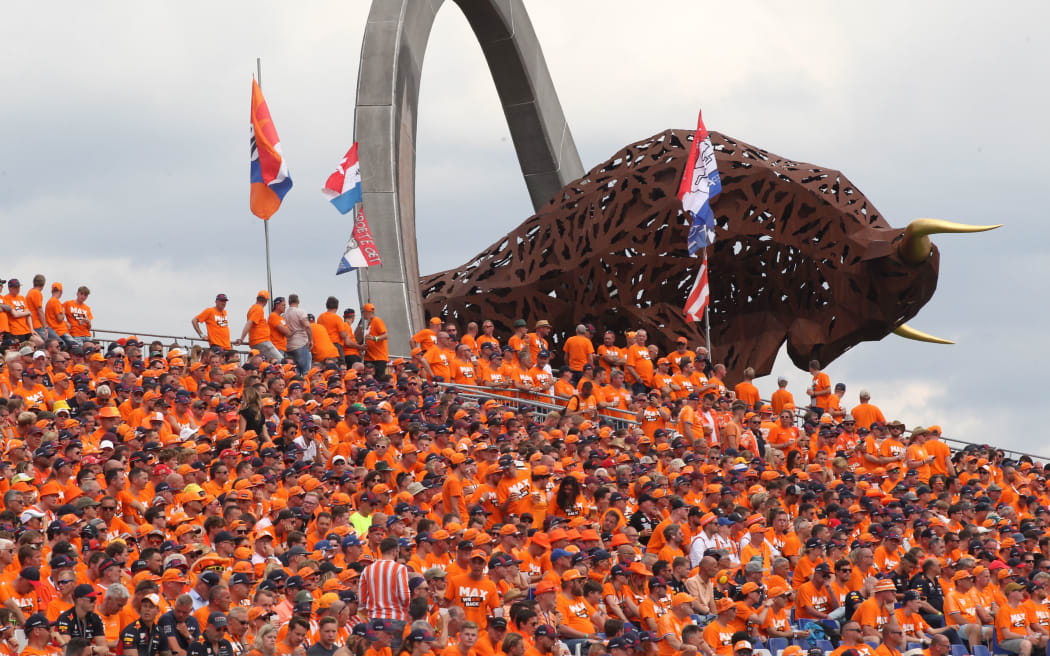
(801, 257)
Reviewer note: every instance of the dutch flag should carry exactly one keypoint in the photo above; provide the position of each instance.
(343, 187)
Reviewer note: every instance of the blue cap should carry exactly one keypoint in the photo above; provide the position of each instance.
(380, 624)
(351, 541)
(545, 630)
(560, 553)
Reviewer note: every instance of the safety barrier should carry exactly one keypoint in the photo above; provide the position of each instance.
(511, 399)
(540, 409)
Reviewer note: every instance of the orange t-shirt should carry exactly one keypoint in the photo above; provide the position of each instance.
(820, 383)
(280, 341)
(638, 357)
(334, 324)
(477, 598)
(323, 348)
(34, 301)
(376, 351)
(218, 326)
(55, 316)
(781, 398)
(260, 330)
(747, 393)
(20, 325)
(578, 350)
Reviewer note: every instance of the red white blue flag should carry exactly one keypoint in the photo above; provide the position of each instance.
(361, 250)
(270, 180)
(700, 184)
(343, 187)
(699, 297)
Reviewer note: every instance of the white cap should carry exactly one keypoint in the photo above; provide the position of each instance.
(104, 444)
(39, 354)
(343, 458)
(186, 433)
(31, 513)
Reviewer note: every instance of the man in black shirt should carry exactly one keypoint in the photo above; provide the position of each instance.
(178, 626)
(645, 519)
(931, 595)
(81, 621)
(212, 643)
(143, 637)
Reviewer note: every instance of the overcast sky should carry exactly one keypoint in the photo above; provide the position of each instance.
(125, 155)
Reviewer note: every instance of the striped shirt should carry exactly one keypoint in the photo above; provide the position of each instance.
(384, 590)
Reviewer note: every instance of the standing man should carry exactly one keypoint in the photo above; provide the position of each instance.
(35, 305)
(334, 325)
(373, 332)
(217, 322)
(279, 330)
(78, 316)
(18, 315)
(820, 388)
(301, 338)
(578, 351)
(55, 317)
(383, 591)
(257, 328)
(351, 349)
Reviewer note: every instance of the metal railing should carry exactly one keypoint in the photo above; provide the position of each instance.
(173, 339)
(512, 399)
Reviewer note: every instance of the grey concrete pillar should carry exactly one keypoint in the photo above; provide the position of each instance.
(392, 51)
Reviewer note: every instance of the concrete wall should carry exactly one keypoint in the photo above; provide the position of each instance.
(392, 52)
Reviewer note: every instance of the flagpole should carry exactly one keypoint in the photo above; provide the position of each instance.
(707, 313)
(266, 222)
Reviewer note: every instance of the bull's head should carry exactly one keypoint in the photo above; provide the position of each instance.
(801, 256)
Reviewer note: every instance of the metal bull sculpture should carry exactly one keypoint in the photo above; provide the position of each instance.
(801, 256)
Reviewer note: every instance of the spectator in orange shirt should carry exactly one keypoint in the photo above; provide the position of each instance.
(55, 317)
(782, 397)
(35, 305)
(19, 321)
(639, 364)
(746, 390)
(578, 351)
(279, 330)
(867, 414)
(374, 335)
(877, 610)
(257, 329)
(474, 592)
(216, 321)
(718, 634)
(819, 390)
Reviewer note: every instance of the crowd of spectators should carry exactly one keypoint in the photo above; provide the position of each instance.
(297, 490)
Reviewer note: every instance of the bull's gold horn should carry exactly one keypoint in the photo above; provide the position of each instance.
(907, 332)
(915, 247)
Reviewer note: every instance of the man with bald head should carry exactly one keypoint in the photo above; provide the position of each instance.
(579, 351)
(438, 359)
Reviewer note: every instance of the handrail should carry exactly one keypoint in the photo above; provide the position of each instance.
(175, 338)
(485, 392)
(124, 333)
(474, 391)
